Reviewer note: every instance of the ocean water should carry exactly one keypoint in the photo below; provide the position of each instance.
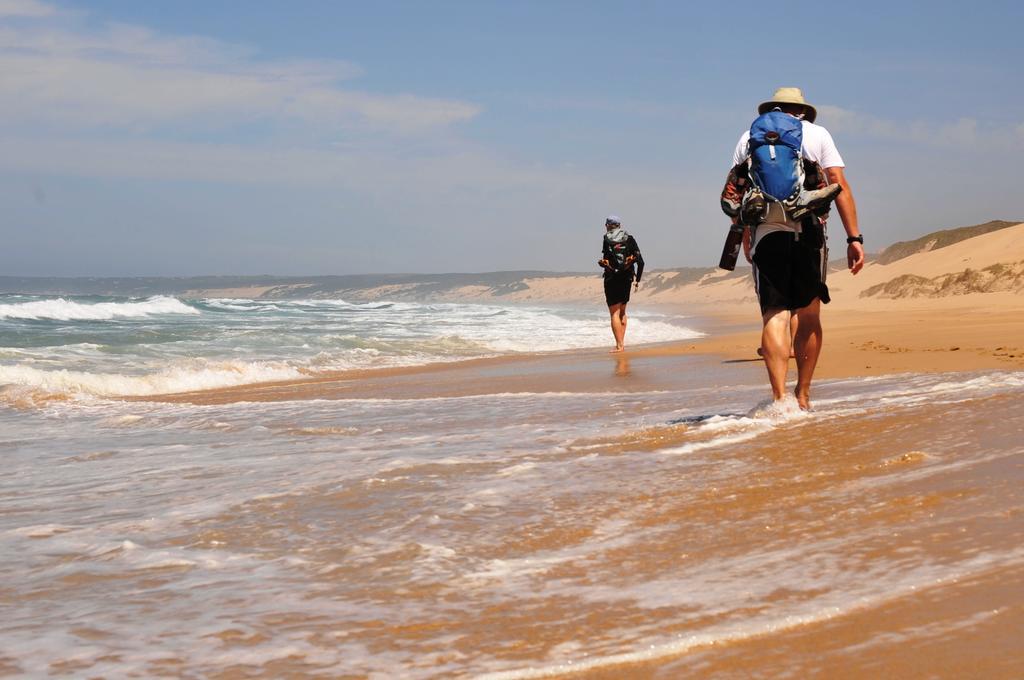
(667, 519)
(111, 347)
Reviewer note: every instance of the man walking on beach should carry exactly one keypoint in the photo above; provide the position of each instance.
(620, 255)
(790, 257)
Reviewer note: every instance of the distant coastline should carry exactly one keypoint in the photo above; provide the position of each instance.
(983, 258)
(355, 287)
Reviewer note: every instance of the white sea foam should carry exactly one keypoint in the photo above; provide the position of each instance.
(914, 389)
(60, 309)
(830, 606)
(723, 430)
(859, 396)
(233, 305)
(534, 330)
(513, 470)
(158, 345)
(42, 530)
(179, 491)
(199, 375)
(738, 438)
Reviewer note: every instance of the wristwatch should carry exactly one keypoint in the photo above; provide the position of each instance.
(859, 238)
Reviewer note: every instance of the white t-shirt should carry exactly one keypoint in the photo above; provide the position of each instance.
(818, 147)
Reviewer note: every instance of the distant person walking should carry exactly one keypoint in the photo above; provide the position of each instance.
(790, 256)
(622, 263)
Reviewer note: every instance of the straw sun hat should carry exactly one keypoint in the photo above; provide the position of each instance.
(789, 95)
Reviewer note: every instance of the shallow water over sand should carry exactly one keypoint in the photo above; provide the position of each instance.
(525, 524)
(117, 347)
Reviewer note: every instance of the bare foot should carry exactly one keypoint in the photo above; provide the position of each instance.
(802, 400)
(617, 349)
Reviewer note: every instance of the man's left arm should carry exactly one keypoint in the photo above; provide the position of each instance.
(847, 208)
(639, 261)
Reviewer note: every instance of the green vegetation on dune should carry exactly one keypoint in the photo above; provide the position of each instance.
(938, 239)
(1002, 277)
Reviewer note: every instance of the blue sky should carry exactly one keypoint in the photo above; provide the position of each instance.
(180, 138)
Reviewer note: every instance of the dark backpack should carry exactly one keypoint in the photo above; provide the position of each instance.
(617, 248)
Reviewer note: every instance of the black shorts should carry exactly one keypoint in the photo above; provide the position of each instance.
(789, 273)
(616, 288)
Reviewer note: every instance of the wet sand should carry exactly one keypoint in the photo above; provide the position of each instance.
(860, 339)
(964, 623)
(861, 494)
(565, 514)
(881, 544)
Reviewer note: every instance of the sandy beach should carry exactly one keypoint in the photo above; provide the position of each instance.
(953, 330)
(878, 540)
(973, 332)
(864, 334)
(880, 338)
(307, 367)
(560, 512)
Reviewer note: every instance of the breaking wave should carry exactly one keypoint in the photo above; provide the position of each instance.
(200, 375)
(60, 309)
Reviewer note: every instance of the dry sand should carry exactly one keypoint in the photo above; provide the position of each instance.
(871, 335)
(950, 330)
(876, 337)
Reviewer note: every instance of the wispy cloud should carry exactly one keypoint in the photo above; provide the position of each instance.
(620, 106)
(962, 133)
(126, 102)
(78, 77)
(25, 8)
(367, 172)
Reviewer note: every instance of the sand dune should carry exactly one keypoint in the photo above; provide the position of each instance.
(993, 260)
(990, 263)
(960, 307)
(939, 239)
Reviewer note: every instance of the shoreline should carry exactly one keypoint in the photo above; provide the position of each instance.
(663, 519)
(861, 339)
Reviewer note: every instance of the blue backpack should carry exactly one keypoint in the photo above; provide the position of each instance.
(776, 167)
